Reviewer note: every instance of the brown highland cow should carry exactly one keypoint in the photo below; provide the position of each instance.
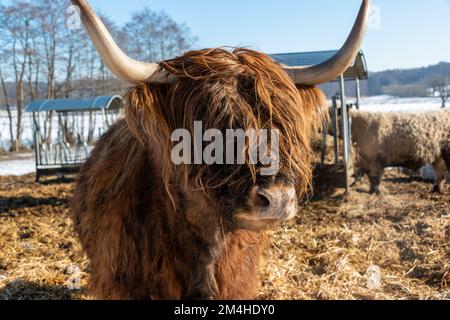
(155, 230)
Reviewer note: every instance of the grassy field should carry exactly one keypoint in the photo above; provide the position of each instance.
(393, 246)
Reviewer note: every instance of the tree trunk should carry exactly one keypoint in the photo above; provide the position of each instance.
(91, 128)
(8, 109)
(19, 127)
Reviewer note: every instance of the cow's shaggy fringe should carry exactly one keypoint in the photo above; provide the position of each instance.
(141, 245)
(401, 139)
(242, 89)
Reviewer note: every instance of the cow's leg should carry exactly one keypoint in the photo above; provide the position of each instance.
(375, 182)
(375, 174)
(440, 169)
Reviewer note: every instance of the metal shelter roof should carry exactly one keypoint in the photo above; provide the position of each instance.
(73, 105)
(304, 59)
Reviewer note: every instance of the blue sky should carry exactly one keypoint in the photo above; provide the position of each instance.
(411, 33)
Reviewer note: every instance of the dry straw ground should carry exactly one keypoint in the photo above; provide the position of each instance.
(324, 254)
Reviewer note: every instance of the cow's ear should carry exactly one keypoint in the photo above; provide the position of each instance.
(314, 105)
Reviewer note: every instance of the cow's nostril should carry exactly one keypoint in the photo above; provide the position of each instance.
(262, 201)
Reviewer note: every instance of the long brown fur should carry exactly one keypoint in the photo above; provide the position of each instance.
(153, 230)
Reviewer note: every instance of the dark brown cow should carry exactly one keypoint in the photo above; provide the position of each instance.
(156, 230)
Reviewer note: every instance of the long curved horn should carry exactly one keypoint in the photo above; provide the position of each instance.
(118, 62)
(335, 66)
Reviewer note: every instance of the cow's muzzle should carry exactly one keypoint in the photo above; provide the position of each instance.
(269, 206)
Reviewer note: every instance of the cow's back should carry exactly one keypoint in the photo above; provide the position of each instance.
(401, 138)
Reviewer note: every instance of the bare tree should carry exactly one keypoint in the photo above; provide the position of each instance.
(8, 107)
(51, 23)
(439, 85)
(444, 95)
(42, 59)
(153, 36)
(34, 62)
(16, 23)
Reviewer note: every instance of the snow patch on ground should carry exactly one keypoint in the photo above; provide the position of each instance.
(18, 167)
(393, 104)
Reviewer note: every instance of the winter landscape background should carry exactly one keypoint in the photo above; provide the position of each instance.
(24, 163)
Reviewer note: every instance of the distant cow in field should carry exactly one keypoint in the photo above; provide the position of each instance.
(156, 230)
(400, 139)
